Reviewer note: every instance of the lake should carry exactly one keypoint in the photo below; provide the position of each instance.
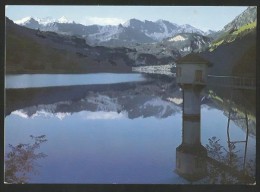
(121, 134)
(52, 80)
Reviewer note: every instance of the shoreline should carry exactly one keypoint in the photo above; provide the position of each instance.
(66, 72)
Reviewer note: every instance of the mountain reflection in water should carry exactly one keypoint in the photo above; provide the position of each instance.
(129, 132)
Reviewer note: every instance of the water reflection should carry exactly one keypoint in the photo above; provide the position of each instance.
(225, 165)
(21, 160)
(195, 162)
(213, 164)
(191, 155)
(128, 132)
(136, 100)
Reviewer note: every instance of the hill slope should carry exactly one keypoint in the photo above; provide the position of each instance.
(228, 56)
(34, 51)
(234, 51)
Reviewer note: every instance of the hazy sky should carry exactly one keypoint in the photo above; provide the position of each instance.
(202, 17)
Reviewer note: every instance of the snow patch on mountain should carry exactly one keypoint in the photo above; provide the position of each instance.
(127, 23)
(44, 21)
(190, 29)
(63, 19)
(177, 38)
(23, 21)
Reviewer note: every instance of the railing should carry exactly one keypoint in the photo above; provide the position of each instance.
(232, 81)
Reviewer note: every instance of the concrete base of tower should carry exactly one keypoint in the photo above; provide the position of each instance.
(191, 162)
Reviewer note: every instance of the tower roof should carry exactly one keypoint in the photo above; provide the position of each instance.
(192, 58)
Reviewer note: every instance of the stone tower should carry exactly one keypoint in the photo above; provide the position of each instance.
(191, 76)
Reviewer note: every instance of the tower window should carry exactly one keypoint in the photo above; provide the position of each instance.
(198, 76)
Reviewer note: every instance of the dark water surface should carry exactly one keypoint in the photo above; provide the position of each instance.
(116, 135)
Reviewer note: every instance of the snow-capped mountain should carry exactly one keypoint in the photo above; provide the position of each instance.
(63, 19)
(44, 24)
(45, 20)
(41, 21)
(24, 21)
(160, 29)
(190, 29)
(132, 31)
(29, 22)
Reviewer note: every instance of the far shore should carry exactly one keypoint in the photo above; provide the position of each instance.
(65, 72)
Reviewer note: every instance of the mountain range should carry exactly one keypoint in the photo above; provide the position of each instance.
(133, 30)
(62, 46)
(49, 52)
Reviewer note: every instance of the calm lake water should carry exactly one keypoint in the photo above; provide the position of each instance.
(126, 135)
(52, 80)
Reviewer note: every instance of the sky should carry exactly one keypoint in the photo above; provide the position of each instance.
(202, 17)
